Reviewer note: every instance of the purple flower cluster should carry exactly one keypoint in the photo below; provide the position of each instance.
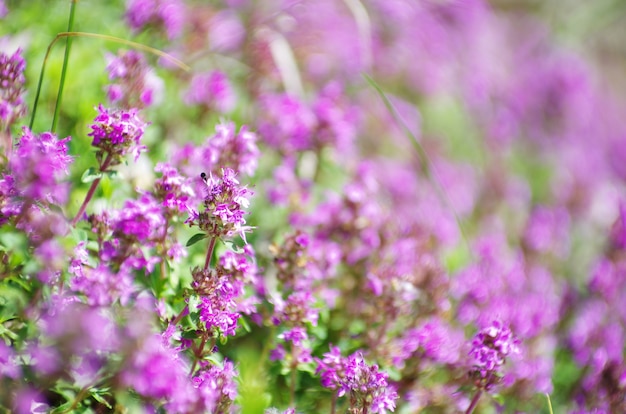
(135, 85)
(166, 14)
(227, 148)
(99, 285)
(217, 387)
(117, 132)
(224, 203)
(211, 90)
(125, 235)
(37, 166)
(12, 106)
(173, 190)
(290, 125)
(221, 291)
(490, 348)
(367, 387)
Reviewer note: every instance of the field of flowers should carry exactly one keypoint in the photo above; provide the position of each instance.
(312, 206)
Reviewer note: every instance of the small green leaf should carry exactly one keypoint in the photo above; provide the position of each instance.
(113, 175)
(196, 238)
(90, 175)
(100, 399)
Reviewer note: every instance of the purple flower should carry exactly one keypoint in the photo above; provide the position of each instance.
(38, 163)
(174, 190)
(490, 348)
(135, 86)
(221, 291)
(296, 310)
(168, 14)
(211, 90)
(286, 123)
(101, 287)
(12, 82)
(117, 132)
(365, 384)
(224, 202)
(156, 371)
(8, 363)
(232, 149)
(217, 387)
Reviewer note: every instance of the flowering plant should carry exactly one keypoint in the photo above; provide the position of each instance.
(359, 206)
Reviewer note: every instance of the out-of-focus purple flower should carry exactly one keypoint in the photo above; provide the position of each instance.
(135, 85)
(38, 164)
(166, 14)
(12, 81)
(117, 132)
(174, 190)
(365, 384)
(8, 364)
(490, 348)
(102, 287)
(547, 230)
(286, 188)
(286, 123)
(236, 150)
(217, 387)
(125, 234)
(157, 372)
(224, 202)
(226, 31)
(296, 310)
(211, 90)
(28, 401)
(3, 9)
(434, 340)
(618, 231)
(336, 120)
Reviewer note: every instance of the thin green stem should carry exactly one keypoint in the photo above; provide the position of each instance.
(474, 402)
(66, 57)
(549, 404)
(92, 190)
(426, 164)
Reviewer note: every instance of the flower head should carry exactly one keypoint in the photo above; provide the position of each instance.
(117, 132)
(490, 348)
(135, 85)
(225, 201)
(11, 85)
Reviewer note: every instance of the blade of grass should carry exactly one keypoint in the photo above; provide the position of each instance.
(426, 165)
(549, 404)
(66, 57)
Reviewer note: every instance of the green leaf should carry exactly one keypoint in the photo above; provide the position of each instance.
(90, 175)
(195, 239)
(113, 175)
(100, 399)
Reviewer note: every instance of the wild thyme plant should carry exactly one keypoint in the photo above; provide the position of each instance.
(359, 206)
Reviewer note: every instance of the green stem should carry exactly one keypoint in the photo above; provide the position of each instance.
(549, 404)
(92, 190)
(474, 402)
(66, 57)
